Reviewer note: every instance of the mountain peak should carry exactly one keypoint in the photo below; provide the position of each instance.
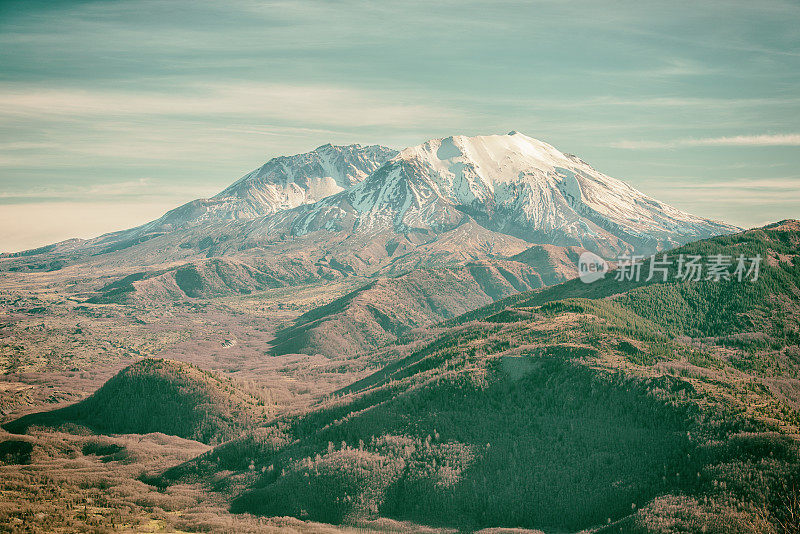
(343, 164)
(285, 182)
(491, 158)
(511, 186)
(515, 185)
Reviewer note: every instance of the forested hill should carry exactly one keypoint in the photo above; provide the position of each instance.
(155, 395)
(661, 407)
(778, 245)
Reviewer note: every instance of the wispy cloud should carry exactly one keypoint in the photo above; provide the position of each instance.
(127, 190)
(753, 201)
(304, 104)
(737, 140)
(749, 140)
(191, 124)
(771, 184)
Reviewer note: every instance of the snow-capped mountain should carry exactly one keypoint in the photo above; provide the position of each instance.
(283, 183)
(367, 210)
(510, 184)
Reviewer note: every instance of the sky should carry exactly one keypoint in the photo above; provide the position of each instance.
(113, 112)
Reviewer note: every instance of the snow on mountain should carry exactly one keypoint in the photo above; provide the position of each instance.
(283, 183)
(447, 201)
(514, 185)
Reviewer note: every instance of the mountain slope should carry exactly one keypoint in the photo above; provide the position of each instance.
(553, 264)
(387, 308)
(158, 396)
(632, 410)
(283, 183)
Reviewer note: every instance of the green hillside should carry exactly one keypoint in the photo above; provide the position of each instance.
(155, 395)
(663, 407)
(777, 244)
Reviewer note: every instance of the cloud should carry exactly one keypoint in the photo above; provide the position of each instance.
(640, 145)
(218, 126)
(738, 140)
(746, 202)
(302, 104)
(143, 189)
(770, 185)
(749, 140)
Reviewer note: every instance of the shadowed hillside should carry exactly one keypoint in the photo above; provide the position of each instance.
(553, 264)
(157, 396)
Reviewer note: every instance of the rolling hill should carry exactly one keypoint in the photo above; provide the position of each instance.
(158, 396)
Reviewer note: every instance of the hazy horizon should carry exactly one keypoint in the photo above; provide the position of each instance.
(115, 112)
